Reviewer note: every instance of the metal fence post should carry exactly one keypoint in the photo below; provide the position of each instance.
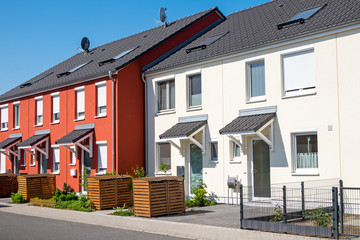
(284, 204)
(342, 206)
(335, 213)
(241, 206)
(302, 200)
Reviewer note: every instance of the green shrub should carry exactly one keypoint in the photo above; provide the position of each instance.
(17, 197)
(320, 217)
(113, 173)
(121, 211)
(82, 204)
(139, 171)
(201, 197)
(278, 216)
(164, 167)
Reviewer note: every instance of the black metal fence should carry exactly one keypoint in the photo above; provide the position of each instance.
(349, 210)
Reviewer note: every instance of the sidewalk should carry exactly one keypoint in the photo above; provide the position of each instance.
(153, 225)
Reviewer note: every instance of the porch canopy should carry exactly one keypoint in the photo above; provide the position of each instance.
(8, 143)
(76, 137)
(34, 142)
(251, 123)
(187, 128)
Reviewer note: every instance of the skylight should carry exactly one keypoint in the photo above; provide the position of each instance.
(122, 54)
(28, 84)
(301, 17)
(73, 69)
(208, 41)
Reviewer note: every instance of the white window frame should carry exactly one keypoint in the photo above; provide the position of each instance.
(214, 141)
(302, 171)
(16, 105)
(55, 95)
(168, 97)
(33, 158)
(4, 125)
(158, 158)
(37, 115)
(79, 115)
(98, 108)
(189, 75)
(248, 63)
(233, 150)
(24, 159)
(73, 156)
(56, 147)
(101, 144)
(300, 91)
(2, 163)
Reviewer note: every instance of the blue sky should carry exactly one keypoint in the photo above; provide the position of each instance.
(36, 35)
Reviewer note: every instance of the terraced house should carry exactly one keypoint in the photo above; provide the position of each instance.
(86, 115)
(268, 96)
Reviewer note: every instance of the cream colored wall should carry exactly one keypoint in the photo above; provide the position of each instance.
(224, 94)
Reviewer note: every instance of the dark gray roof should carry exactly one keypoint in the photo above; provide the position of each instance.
(257, 26)
(143, 42)
(247, 123)
(73, 136)
(7, 142)
(182, 129)
(31, 141)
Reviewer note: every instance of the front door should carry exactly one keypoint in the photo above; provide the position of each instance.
(196, 166)
(43, 163)
(261, 169)
(86, 169)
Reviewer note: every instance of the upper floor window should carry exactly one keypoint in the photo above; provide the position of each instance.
(163, 157)
(39, 111)
(102, 158)
(16, 115)
(101, 98)
(80, 103)
(166, 95)
(299, 73)
(195, 90)
(256, 80)
(4, 117)
(305, 152)
(55, 107)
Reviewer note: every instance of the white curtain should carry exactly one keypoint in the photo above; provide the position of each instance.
(39, 107)
(56, 104)
(307, 160)
(4, 115)
(102, 158)
(80, 99)
(101, 95)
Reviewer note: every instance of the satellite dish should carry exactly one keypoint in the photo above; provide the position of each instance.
(162, 15)
(85, 44)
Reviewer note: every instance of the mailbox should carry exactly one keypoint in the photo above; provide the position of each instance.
(180, 171)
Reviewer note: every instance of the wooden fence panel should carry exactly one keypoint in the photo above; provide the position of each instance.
(8, 184)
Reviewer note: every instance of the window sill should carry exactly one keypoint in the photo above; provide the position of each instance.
(72, 164)
(99, 174)
(100, 116)
(32, 165)
(79, 119)
(55, 173)
(163, 173)
(235, 162)
(213, 162)
(23, 165)
(194, 109)
(256, 100)
(38, 125)
(165, 112)
(17, 128)
(299, 94)
(54, 123)
(4, 130)
(305, 174)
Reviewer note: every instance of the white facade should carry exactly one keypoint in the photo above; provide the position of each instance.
(326, 107)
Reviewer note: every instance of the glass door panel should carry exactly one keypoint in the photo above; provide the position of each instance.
(261, 169)
(196, 166)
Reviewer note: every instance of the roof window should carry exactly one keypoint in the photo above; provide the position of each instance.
(208, 41)
(111, 60)
(28, 84)
(301, 16)
(73, 69)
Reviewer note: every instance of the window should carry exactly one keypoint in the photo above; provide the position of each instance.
(101, 99)
(33, 158)
(80, 103)
(56, 160)
(214, 151)
(39, 111)
(16, 115)
(24, 159)
(102, 158)
(164, 157)
(236, 152)
(305, 152)
(55, 108)
(299, 73)
(195, 91)
(166, 95)
(4, 117)
(2, 163)
(256, 80)
(73, 157)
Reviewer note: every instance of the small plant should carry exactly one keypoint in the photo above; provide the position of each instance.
(320, 217)
(83, 182)
(278, 216)
(139, 171)
(80, 204)
(164, 167)
(120, 211)
(17, 197)
(112, 173)
(66, 189)
(200, 198)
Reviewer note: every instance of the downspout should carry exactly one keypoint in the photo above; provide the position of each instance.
(113, 121)
(146, 125)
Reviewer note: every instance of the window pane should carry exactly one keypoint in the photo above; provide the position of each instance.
(80, 104)
(214, 151)
(39, 107)
(306, 151)
(195, 90)
(257, 72)
(236, 150)
(101, 99)
(172, 94)
(16, 116)
(162, 96)
(56, 159)
(4, 117)
(102, 158)
(164, 154)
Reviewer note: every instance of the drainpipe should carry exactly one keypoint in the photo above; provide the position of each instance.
(146, 125)
(113, 121)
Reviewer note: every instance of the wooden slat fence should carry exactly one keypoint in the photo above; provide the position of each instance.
(8, 184)
(37, 185)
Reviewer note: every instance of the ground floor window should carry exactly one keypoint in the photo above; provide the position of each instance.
(214, 151)
(236, 152)
(163, 157)
(102, 158)
(23, 159)
(305, 152)
(33, 158)
(2, 163)
(56, 160)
